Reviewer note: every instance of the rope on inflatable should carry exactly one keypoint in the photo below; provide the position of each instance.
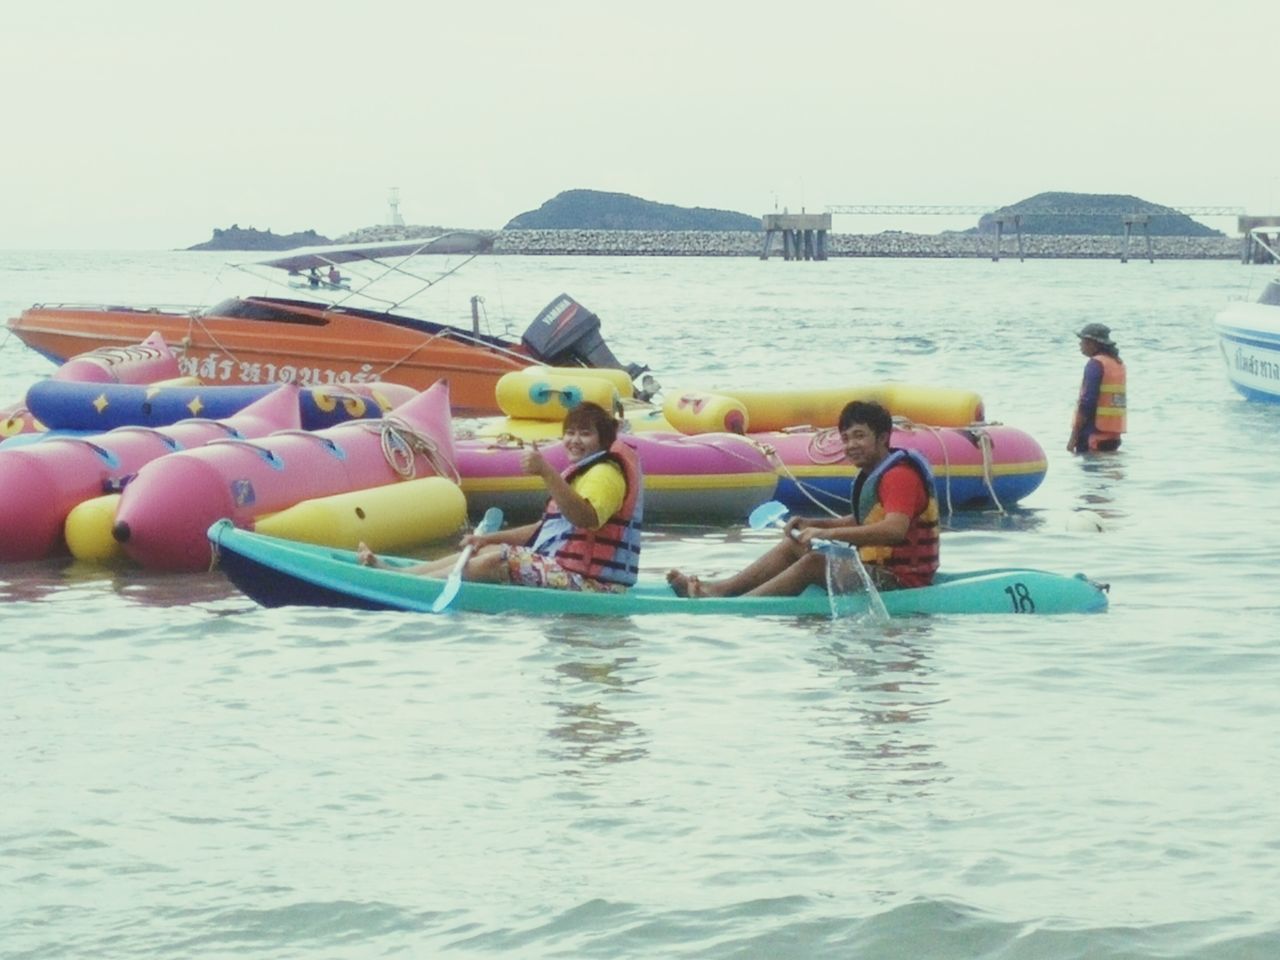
(981, 439)
(718, 445)
(822, 449)
(780, 466)
(401, 444)
(986, 445)
(507, 441)
(908, 424)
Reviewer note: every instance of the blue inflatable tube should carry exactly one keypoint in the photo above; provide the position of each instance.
(96, 407)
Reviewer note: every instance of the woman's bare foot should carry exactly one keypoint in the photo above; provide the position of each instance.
(365, 556)
(678, 582)
(685, 585)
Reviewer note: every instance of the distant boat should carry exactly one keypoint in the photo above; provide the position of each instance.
(260, 339)
(299, 282)
(1249, 335)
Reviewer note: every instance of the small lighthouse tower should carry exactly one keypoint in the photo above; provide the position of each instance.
(393, 212)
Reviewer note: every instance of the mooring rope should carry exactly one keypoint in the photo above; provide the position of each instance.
(193, 319)
(418, 346)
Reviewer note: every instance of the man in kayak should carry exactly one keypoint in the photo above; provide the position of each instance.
(1100, 410)
(893, 522)
(589, 534)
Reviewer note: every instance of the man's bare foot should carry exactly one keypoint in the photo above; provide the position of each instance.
(365, 556)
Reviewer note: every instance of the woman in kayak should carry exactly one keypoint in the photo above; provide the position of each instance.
(893, 522)
(589, 534)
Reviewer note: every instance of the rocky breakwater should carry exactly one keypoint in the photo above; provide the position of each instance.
(631, 243)
(742, 243)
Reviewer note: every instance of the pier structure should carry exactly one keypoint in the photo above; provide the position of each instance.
(1014, 220)
(804, 235)
(1261, 238)
(1130, 221)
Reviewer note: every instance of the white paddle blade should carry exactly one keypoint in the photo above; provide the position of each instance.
(490, 522)
(452, 585)
(766, 515)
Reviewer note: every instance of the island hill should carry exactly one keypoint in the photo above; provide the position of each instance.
(236, 237)
(592, 222)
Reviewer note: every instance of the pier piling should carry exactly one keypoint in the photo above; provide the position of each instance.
(804, 235)
(1143, 220)
(1016, 221)
(1255, 249)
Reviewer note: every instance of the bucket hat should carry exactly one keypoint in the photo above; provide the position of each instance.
(1099, 332)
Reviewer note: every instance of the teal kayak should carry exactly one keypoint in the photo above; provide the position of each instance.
(277, 572)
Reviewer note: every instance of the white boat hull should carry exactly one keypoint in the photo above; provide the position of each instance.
(1249, 335)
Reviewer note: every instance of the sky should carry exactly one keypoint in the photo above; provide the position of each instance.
(144, 124)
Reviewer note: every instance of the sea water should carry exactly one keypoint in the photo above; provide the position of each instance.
(185, 774)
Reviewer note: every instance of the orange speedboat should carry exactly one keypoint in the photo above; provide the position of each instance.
(261, 339)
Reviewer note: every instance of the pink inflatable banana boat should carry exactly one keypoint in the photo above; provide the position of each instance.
(165, 511)
(710, 478)
(147, 362)
(41, 483)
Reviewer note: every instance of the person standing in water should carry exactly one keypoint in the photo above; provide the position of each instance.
(1100, 410)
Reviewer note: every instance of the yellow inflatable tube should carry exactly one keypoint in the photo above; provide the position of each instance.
(935, 406)
(636, 419)
(620, 379)
(398, 516)
(696, 412)
(548, 394)
(87, 530)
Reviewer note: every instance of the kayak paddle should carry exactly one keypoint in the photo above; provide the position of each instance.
(490, 522)
(772, 514)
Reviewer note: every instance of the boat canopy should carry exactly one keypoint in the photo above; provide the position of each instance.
(457, 242)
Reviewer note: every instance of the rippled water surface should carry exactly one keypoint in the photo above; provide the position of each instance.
(188, 775)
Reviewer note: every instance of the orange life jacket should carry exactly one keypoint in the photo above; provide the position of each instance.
(914, 561)
(611, 552)
(1110, 417)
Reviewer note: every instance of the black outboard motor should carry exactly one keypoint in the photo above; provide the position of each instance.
(567, 334)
